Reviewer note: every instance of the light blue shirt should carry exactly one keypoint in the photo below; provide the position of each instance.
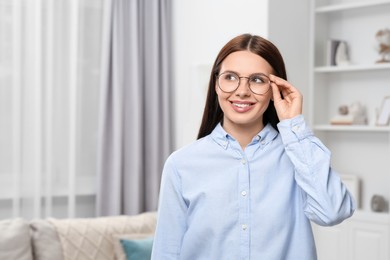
(218, 202)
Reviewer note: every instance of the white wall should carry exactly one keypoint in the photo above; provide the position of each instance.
(201, 28)
(289, 31)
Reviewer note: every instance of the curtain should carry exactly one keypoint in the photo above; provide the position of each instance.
(50, 54)
(136, 120)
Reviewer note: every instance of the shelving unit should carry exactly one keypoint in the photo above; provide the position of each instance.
(352, 128)
(361, 150)
(324, 69)
(349, 6)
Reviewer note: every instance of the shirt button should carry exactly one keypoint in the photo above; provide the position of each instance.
(263, 142)
(243, 193)
(244, 227)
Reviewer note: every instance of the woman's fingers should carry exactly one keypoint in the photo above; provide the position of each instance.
(275, 92)
(287, 99)
(284, 86)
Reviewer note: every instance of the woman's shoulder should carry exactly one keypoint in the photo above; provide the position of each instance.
(193, 148)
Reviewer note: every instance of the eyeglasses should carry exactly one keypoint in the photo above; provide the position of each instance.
(258, 83)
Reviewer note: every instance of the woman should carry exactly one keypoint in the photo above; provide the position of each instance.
(255, 178)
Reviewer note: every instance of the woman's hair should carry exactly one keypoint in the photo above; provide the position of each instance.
(213, 114)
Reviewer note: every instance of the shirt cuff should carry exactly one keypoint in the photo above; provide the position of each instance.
(294, 129)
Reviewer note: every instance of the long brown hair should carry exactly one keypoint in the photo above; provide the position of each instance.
(213, 114)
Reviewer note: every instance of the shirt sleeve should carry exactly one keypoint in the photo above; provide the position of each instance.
(171, 220)
(326, 199)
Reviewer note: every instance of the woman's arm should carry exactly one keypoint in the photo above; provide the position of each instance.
(171, 220)
(328, 202)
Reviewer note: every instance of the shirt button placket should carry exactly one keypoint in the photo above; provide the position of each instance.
(244, 185)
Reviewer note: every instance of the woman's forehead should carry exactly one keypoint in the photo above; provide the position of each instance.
(246, 62)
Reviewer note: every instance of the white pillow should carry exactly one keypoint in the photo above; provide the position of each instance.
(45, 241)
(15, 239)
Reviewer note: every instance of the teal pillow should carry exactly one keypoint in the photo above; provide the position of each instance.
(138, 249)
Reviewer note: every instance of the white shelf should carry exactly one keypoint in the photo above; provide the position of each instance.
(344, 68)
(350, 6)
(359, 150)
(370, 216)
(352, 128)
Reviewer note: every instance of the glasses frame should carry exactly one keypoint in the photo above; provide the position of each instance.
(239, 82)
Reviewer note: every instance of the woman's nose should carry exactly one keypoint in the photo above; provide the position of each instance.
(243, 88)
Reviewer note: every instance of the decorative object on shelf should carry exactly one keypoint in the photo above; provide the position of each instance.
(353, 185)
(383, 38)
(342, 56)
(383, 116)
(378, 203)
(337, 53)
(354, 114)
(331, 52)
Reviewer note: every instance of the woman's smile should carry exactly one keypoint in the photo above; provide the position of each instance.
(242, 106)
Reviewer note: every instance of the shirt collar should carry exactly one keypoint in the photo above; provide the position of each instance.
(222, 138)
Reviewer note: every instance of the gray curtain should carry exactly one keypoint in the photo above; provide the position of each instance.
(136, 118)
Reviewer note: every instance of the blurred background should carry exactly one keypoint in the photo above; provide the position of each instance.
(95, 95)
(79, 80)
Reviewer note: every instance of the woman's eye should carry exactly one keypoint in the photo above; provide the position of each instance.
(258, 79)
(230, 77)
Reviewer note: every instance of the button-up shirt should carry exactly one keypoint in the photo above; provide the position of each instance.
(220, 202)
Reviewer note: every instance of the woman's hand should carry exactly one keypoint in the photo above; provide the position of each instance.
(291, 104)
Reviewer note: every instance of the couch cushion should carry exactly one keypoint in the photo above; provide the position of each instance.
(118, 248)
(92, 238)
(45, 241)
(138, 249)
(15, 239)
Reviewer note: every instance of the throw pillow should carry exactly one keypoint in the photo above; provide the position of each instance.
(15, 239)
(118, 248)
(45, 241)
(138, 249)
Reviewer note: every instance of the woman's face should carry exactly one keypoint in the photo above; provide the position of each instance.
(243, 108)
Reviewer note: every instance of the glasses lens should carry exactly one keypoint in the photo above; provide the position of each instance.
(228, 81)
(259, 83)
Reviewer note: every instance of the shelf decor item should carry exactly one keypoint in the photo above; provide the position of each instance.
(353, 185)
(383, 38)
(342, 56)
(383, 117)
(331, 51)
(354, 114)
(337, 53)
(378, 203)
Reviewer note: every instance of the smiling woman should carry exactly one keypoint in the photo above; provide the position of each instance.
(257, 173)
(49, 78)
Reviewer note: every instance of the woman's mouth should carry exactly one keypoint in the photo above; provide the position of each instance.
(242, 107)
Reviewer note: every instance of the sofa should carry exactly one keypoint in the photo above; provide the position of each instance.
(98, 238)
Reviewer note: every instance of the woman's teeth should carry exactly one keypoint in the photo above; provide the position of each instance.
(241, 105)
